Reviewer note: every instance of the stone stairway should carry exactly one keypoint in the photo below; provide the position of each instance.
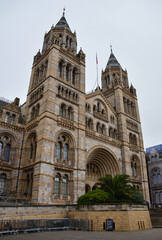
(156, 217)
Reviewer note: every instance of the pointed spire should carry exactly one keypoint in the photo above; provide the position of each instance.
(63, 12)
(112, 61)
(62, 23)
(111, 48)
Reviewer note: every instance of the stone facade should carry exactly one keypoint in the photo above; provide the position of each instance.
(154, 163)
(61, 140)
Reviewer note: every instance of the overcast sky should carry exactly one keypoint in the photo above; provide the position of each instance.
(134, 28)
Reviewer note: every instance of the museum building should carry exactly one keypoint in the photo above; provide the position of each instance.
(55, 146)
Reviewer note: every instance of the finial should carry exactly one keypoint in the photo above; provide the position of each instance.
(111, 47)
(63, 11)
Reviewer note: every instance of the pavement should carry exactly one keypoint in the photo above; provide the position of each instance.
(151, 234)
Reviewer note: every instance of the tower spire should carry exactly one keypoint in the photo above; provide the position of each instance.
(111, 47)
(63, 12)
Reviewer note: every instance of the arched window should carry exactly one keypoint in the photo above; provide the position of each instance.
(37, 111)
(2, 183)
(67, 73)
(31, 150)
(62, 110)
(7, 117)
(57, 185)
(60, 70)
(13, 118)
(1, 146)
(103, 129)
(90, 124)
(135, 168)
(32, 143)
(156, 176)
(33, 113)
(70, 42)
(98, 127)
(27, 185)
(74, 76)
(69, 113)
(132, 168)
(7, 150)
(65, 186)
(110, 132)
(66, 149)
(58, 150)
(67, 41)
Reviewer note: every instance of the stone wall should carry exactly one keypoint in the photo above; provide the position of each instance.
(126, 217)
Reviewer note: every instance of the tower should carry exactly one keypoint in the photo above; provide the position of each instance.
(54, 111)
(123, 99)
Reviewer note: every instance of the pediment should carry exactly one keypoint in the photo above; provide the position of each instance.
(91, 97)
(12, 107)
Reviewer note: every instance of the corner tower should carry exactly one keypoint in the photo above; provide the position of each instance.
(55, 120)
(122, 97)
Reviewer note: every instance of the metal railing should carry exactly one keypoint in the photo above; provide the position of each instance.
(15, 226)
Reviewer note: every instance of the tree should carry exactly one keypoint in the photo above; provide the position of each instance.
(119, 187)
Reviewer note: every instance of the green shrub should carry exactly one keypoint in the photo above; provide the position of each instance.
(92, 197)
(137, 197)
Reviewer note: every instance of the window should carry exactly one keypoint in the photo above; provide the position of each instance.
(31, 150)
(65, 186)
(2, 183)
(58, 150)
(33, 146)
(37, 110)
(156, 176)
(62, 110)
(66, 148)
(160, 197)
(7, 150)
(13, 119)
(7, 117)
(1, 146)
(98, 127)
(60, 70)
(74, 76)
(69, 113)
(67, 73)
(103, 129)
(5, 147)
(57, 185)
(90, 124)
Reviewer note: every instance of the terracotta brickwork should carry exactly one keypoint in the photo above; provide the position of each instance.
(61, 140)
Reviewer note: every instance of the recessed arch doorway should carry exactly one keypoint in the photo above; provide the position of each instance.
(100, 161)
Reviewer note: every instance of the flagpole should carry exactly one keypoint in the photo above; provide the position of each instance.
(97, 70)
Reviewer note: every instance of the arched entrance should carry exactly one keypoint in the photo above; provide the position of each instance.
(100, 161)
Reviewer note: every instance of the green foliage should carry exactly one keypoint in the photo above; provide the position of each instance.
(92, 197)
(137, 197)
(119, 187)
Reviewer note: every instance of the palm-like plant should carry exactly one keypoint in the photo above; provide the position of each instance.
(119, 187)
